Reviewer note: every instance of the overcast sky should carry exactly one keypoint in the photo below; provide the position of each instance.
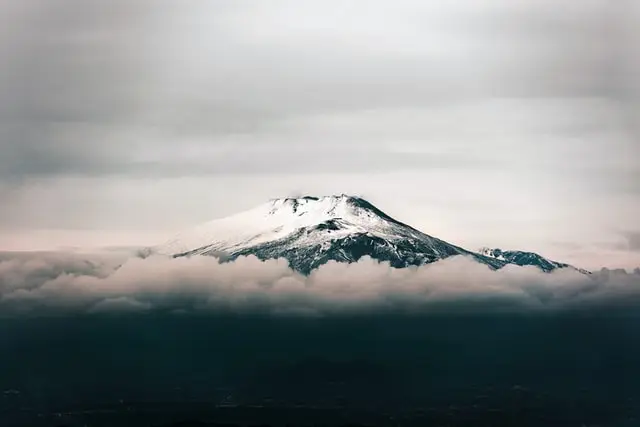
(511, 123)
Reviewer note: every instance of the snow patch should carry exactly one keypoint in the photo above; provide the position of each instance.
(278, 219)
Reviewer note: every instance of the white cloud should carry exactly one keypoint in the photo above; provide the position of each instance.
(40, 283)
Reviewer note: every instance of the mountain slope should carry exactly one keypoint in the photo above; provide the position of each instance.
(526, 258)
(311, 231)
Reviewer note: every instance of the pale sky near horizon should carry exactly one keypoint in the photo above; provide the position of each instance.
(504, 123)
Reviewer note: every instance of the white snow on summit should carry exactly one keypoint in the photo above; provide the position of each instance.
(279, 218)
(310, 231)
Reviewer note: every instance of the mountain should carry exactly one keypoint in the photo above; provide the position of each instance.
(310, 231)
(527, 258)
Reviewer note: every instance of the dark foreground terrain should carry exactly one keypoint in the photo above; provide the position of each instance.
(569, 369)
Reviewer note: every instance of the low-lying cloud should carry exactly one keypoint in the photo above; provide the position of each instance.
(44, 283)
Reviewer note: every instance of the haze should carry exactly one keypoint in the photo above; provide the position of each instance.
(485, 123)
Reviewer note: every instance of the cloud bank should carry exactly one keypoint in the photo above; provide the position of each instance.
(44, 283)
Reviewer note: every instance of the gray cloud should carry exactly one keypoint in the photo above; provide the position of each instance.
(92, 82)
(480, 120)
(39, 283)
(120, 305)
(633, 241)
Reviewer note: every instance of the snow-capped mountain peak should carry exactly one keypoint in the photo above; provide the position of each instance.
(309, 231)
(277, 219)
(323, 208)
(327, 207)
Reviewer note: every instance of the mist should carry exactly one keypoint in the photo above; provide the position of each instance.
(41, 283)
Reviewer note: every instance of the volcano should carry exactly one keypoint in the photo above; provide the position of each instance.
(311, 231)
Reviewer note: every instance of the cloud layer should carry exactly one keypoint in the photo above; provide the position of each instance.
(63, 282)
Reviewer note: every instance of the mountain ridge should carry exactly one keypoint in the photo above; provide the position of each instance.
(524, 258)
(310, 231)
